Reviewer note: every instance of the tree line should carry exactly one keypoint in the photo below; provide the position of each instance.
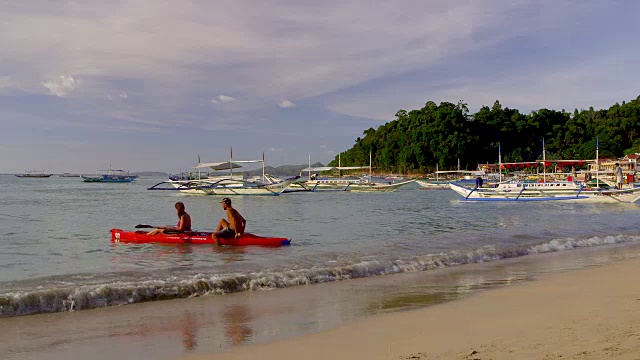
(418, 140)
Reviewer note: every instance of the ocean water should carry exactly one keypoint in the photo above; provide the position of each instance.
(57, 256)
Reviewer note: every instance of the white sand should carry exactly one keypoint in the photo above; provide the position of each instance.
(587, 314)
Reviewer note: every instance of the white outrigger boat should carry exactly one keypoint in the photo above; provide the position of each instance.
(547, 190)
(344, 183)
(225, 184)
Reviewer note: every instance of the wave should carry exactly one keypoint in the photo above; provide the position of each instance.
(121, 293)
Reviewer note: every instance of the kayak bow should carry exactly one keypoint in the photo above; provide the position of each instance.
(193, 237)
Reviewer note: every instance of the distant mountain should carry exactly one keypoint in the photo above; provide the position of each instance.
(284, 170)
(151, 173)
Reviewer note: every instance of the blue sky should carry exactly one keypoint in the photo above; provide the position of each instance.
(148, 86)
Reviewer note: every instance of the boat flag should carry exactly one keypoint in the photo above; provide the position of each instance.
(596, 143)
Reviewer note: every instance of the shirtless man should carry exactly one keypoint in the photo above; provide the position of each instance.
(184, 222)
(234, 227)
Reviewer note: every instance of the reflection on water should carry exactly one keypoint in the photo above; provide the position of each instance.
(237, 319)
(189, 327)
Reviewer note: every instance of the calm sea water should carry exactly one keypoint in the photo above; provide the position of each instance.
(57, 255)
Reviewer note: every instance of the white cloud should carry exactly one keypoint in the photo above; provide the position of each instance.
(275, 150)
(124, 95)
(284, 103)
(221, 99)
(62, 85)
(324, 147)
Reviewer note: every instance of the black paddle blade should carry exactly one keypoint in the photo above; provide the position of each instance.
(142, 226)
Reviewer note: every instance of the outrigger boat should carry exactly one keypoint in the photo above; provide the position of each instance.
(110, 176)
(546, 190)
(230, 184)
(556, 190)
(33, 174)
(314, 182)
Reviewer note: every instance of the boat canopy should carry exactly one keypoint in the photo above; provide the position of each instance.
(219, 165)
(331, 168)
(226, 165)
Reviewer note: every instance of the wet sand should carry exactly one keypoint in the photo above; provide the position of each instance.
(366, 318)
(591, 313)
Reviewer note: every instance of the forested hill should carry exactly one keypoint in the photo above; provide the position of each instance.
(441, 134)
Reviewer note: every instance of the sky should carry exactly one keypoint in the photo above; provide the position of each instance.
(150, 86)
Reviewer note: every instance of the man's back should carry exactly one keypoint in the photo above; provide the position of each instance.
(236, 221)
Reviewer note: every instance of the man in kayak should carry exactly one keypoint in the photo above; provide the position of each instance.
(234, 227)
(184, 222)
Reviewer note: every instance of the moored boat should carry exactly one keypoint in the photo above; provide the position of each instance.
(33, 174)
(110, 176)
(546, 191)
(225, 184)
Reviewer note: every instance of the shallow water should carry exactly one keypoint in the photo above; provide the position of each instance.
(57, 253)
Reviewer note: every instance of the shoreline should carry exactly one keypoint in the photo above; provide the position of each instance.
(221, 326)
(591, 313)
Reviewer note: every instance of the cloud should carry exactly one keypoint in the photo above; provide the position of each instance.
(124, 95)
(275, 150)
(284, 103)
(221, 99)
(62, 85)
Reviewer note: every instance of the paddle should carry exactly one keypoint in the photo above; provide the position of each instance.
(166, 231)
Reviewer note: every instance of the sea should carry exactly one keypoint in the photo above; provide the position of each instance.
(57, 255)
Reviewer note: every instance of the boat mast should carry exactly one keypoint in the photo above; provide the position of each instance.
(339, 176)
(370, 167)
(499, 164)
(309, 172)
(436, 172)
(597, 167)
(231, 160)
(263, 177)
(544, 163)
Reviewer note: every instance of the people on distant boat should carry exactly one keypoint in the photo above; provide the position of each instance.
(233, 227)
(184, 222)
(479, 182)
(619, 176)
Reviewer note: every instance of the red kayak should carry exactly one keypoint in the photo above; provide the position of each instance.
(193, 237)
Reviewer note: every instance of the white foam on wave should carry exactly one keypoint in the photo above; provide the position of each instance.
(121, 293)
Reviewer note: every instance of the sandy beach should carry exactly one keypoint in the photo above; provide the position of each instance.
(592, 313)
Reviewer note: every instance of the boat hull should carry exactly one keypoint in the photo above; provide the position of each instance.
(599, 196)
(194, 237)
(224, 187)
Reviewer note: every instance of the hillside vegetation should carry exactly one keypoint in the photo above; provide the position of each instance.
(441, 134)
